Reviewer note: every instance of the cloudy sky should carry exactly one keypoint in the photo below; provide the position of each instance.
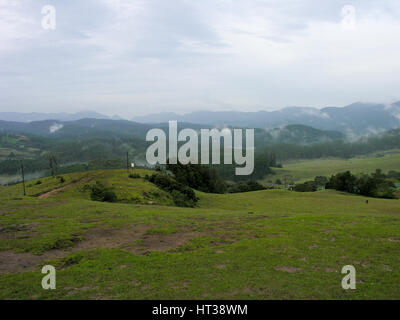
(135, 57)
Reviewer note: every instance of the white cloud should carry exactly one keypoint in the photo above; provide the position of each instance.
(55, 127)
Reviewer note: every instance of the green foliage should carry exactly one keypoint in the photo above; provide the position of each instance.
(321, 181)
(375, 185)
(199, 177)
(263, 161)
(183, 196)
(308, 186)
(134, 176)
(106, 164)
(99, 192)
(338, 148)
(247, 186)
(394, 174)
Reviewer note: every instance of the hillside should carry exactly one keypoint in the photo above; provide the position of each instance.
(271, 244)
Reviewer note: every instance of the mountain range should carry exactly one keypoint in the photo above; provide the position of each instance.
(355, 119)
(359, 118)
(63, 116)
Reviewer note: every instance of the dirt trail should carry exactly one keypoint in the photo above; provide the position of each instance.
(53, 192)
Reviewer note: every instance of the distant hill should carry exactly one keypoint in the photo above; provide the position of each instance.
(357, 118)
(297, 134)
(103, 128)
(37, 116)
(353, 120)
(87, 128)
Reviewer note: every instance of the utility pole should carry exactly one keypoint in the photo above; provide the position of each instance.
(53, 163)
(23, 178)
(127, 161)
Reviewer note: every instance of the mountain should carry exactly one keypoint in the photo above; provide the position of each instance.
(357, 118)
(105, 129)
(37, 116)
(296, 134)
(87, 128)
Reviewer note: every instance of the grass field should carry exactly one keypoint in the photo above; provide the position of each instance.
(271, 244)
(303, 170)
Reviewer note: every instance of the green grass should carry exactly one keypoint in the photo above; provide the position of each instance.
(304, 170)
(271, 244)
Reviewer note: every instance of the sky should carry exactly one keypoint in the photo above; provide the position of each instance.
(137, 57)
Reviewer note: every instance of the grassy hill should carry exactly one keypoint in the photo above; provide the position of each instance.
(271, 244)
(128, 190)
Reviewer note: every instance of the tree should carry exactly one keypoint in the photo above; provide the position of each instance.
(321, 181)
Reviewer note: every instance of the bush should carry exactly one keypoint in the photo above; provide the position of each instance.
(109, 196)
(181, 200)
(309, 186)
(321, 181)
(375, 185)
(134, 176)
(182, 195)
(101, 193)
(245, 187)
(199, 177)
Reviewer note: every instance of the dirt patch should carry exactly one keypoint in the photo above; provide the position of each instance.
(11, 262)
(42, 205)
(387, 268)
(134, 239)
(53, 192)
(163, 242)
(287, 269)
(21, 231)
(110, 238)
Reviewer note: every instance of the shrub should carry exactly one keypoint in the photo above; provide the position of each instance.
(182, 195)
(134, 176)
(321, 181)
(199, 177)
(372, 186)
(101, 193)
(110, 196)
(308, 186)
(245, 187)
